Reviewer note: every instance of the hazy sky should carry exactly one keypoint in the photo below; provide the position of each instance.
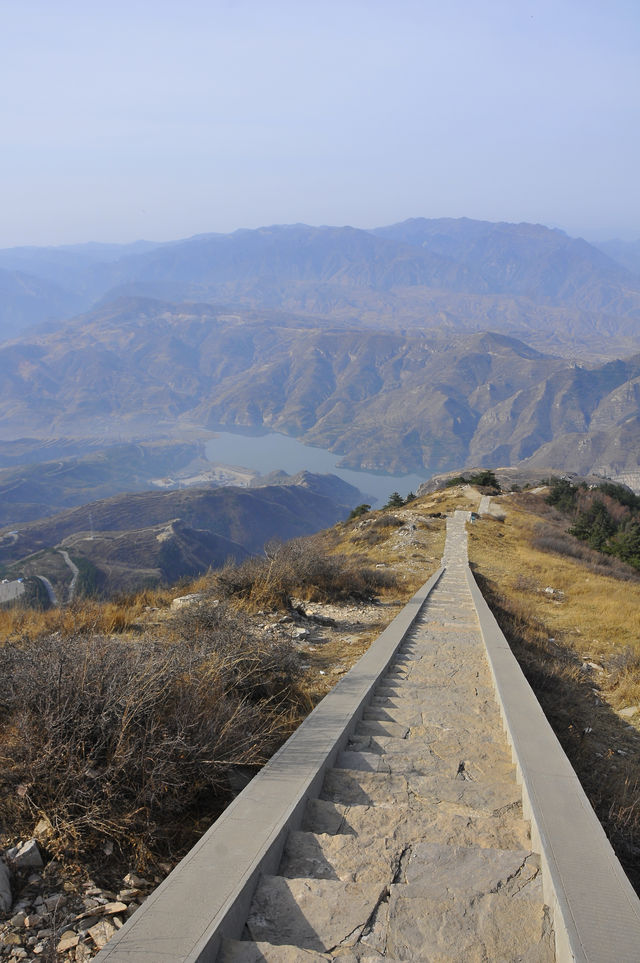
(154, 119)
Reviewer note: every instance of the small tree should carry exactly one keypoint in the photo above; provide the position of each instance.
(359, 510)
(395, 501)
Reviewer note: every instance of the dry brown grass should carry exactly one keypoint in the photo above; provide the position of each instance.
(592, 612)
(579, 646)
(115, 616)
(134, 740)
(206, 690)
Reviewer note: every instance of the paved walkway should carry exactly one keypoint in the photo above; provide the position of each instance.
(416, 848)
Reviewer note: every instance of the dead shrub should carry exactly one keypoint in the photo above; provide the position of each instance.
(624, 665)
(379, 529)
(300, 567)
(135, 741)
(387, 521)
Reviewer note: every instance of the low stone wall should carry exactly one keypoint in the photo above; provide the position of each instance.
(596, 910)
(207, 896)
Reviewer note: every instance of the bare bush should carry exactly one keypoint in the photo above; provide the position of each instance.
(300, 567)
(131, 740)
(380, 528)
(559, 544)
(387, 521)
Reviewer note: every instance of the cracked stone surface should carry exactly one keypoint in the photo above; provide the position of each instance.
(416, 848)
(314, 914)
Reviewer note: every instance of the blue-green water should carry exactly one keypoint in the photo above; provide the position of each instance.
(273, 452)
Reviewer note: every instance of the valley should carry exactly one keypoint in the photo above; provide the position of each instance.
(383, 401)
(140, 435)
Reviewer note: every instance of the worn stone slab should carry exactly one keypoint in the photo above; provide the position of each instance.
(382, 727)
(316, 914)
(343, 857)
(479, 760)
(442, 741)
(463, 715)
(503, 830)
(403, 716)
(364, 788)
(427, 763)
(360, 761)
(492, 927)
(439, 871)
(244, 951)
(485, 795)
(388, 789)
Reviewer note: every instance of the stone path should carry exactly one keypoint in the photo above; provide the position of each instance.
(416, 848)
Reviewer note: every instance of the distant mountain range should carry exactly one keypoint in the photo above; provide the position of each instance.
(422, 346)
(558, 293)
(385, 401)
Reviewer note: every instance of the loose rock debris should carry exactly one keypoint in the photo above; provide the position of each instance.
(52, 918)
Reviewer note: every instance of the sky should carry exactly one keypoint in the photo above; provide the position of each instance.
(159, 120)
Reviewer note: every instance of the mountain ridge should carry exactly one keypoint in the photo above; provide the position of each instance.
(525, 279)
(385, 401)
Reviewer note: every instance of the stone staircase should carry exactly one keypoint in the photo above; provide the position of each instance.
(416, 848)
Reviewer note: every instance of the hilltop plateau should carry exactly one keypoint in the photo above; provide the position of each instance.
(250, 651)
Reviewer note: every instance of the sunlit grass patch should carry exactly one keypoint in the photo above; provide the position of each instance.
(574, 625)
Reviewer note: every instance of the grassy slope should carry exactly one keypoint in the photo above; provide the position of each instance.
(573, 625)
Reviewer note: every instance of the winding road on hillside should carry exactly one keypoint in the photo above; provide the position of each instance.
(74, 574)
(49, 587)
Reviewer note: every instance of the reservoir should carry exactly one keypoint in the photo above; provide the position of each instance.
(272, 452)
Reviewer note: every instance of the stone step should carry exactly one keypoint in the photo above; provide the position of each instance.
(466, 905)
(413, 790)
(500, 830)
(241, 951)
(466, 718)
(440, 696)
(246, 951)
(510, 924)
(381, 727)
(425, 761)
(442, 741)
(348, 858)
(313, 914)
(444, 673)
(418, 692)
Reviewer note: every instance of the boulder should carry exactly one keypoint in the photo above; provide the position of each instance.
(27, 855)
(185, 600)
